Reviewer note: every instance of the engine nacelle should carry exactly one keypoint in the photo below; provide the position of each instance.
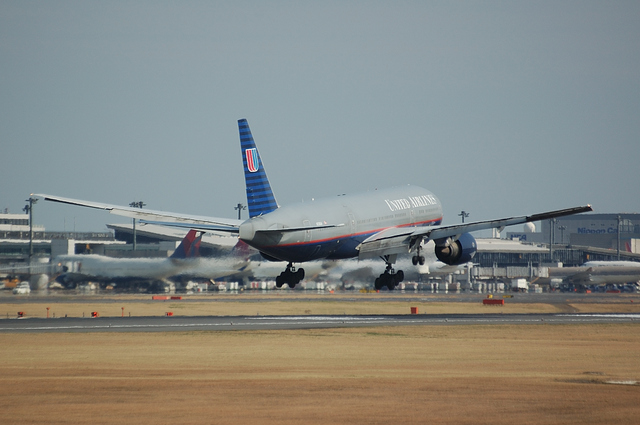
(458, 252)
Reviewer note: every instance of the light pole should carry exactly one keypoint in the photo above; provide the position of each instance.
(552, 224)
(619, 226)
(463, 214)
(29, 210)
(562, 229)
(239, 207)
(137, 204)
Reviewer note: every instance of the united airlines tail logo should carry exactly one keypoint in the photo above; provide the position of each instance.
(252, 159)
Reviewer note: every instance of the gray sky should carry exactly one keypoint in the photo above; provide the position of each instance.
(499, 108)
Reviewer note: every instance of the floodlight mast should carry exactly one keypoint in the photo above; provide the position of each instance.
(135, 204)
(29, 210)
(463, 214)
(239, 208)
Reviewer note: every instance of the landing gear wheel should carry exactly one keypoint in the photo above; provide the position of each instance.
(418, 259)
(391, 284)
(290, 277)
(378, 284)
(390, 278)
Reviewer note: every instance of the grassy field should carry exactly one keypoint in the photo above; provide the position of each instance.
(529, 374)
(526, 374)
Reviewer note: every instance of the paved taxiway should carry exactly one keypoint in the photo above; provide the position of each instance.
(230, 323)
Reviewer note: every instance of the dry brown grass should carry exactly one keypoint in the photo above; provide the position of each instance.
(254, 304)
(528, 374)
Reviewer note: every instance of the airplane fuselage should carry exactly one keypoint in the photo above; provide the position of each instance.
(100, 268)
(358, 216)
(596, 275)
(97, 268)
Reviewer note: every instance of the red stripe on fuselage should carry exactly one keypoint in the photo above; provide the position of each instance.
(355, 234)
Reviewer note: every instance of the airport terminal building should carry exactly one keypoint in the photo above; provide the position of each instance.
(593, 230)
(576, 239)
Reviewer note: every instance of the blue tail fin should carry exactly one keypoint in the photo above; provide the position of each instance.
(189, 247)
(259, 195)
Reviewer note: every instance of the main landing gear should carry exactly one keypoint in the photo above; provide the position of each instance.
(389, 278)
(418, 259)
(290, 276)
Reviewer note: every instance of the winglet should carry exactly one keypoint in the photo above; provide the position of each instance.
(189, 247)
(259, 195)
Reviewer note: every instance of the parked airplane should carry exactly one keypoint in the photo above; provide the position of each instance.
(596, 273)
(184, 262)
(611, 263)
(380, 223)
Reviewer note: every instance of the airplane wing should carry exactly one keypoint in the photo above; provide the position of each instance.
(397, 240)
(192, 221)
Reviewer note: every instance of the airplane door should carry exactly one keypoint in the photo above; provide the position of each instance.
(307, 233)
(352, 224)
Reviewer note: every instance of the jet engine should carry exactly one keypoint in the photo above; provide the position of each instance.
(457, 252)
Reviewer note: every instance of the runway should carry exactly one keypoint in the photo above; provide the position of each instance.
(253, 323)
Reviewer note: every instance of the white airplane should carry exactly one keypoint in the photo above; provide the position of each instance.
(597, 273)
(183, 264)
(381, 223)
(611, 264)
